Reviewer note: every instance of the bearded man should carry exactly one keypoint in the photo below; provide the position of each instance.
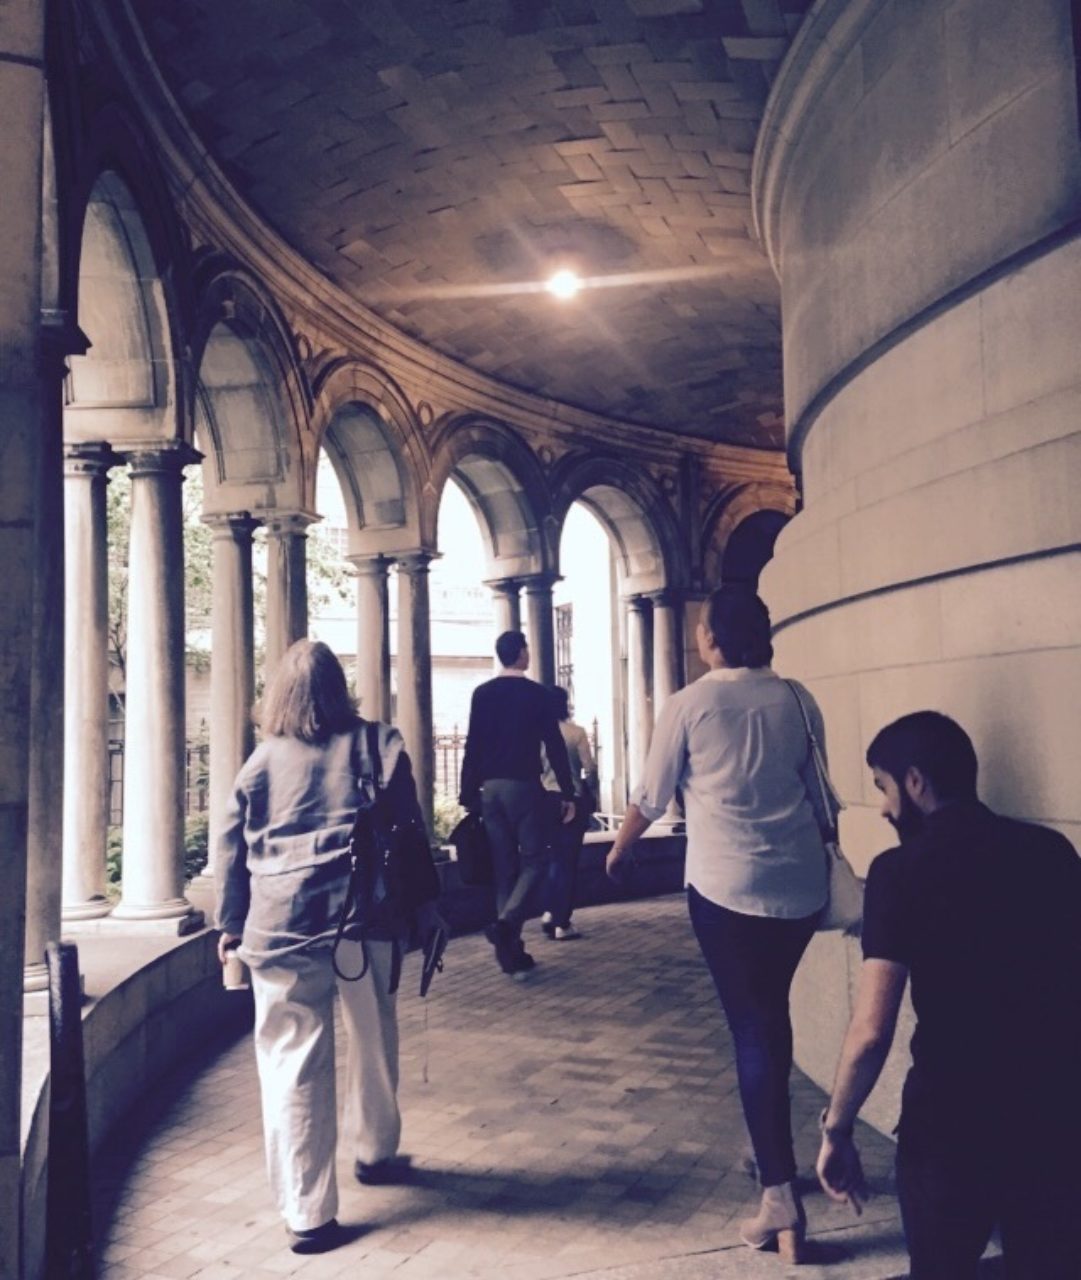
(984, 914)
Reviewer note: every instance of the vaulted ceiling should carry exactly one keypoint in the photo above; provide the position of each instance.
(439, 159)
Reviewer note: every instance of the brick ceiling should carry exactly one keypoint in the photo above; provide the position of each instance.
(425, 154)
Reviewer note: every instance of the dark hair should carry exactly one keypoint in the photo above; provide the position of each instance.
(307, 697)
(739, 623)
(932, 743)
(509, 647)
(562, 701)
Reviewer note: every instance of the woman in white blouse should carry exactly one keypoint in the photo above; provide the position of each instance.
(735, 743)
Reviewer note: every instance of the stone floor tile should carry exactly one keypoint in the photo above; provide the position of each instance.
(581, 1122)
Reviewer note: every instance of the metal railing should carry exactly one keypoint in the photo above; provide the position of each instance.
(196, 780)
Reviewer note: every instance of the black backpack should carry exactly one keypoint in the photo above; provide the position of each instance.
(391, 872)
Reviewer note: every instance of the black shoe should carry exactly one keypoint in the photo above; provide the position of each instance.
(523, 961)
(548, 928)
(382, 1173)
(506, 942)
(315, 1239)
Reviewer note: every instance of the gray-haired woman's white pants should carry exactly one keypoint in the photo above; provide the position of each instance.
(294, 1051)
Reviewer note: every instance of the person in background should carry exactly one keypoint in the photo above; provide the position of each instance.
(510, 717)
(983, 913)
(567, 837)
(282, 872)
(735, 742)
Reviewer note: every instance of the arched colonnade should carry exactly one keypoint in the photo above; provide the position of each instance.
(181, 353)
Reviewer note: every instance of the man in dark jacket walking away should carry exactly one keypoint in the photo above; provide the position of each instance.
(510, 716)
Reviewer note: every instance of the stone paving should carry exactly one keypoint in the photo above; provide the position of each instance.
(582, 1122)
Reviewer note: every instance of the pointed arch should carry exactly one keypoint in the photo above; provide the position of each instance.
(364, 421)
(634, 510)
(505, 484)
(252, 405)
(730, 510)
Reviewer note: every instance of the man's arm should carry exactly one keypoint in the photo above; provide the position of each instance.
(867, 1042)
(469, 795)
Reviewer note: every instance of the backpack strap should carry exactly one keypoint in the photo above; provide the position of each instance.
(371, 734)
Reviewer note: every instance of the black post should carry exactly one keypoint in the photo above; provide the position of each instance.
(68, 1249)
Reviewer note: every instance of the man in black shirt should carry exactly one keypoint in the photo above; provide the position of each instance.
(509, 718)
(984, 914)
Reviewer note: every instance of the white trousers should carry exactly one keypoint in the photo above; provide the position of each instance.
(294, 1051)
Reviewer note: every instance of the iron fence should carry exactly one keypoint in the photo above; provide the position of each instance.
(449, 749)
(196, 780)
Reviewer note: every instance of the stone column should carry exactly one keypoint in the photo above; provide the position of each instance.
(286, 587)
(639, 693)
(153, 880)
(540, 626)
(232, 661)
(415, 673)
(667, 651)
(667, 662)
(86, 680)
(508, 604)
(373, 636)
(21, 97)
(46, 826)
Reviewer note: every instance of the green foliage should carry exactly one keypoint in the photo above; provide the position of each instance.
(446, 814)
(196, 845)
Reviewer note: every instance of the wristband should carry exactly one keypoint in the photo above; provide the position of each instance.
(833, 1131)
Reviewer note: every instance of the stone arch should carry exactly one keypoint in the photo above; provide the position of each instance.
(121, 276)
(506, 487)
(364, 421)
(251, 402)
(733, 511)
(636, 514)
(127, 388)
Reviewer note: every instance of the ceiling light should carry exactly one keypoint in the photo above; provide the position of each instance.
(564, 284)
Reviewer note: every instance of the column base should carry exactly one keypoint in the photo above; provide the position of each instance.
(175, 918)
(92, 909)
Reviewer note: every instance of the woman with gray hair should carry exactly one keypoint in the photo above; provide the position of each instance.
(736, 743)
(283, 881)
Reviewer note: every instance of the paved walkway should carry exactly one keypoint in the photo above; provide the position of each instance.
(584, 1122)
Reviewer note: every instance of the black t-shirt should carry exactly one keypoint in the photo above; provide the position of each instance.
(985, 912)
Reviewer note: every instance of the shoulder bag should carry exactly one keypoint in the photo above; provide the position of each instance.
(844, 905)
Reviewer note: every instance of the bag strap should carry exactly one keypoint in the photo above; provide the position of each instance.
(832, 803)
(371, 734)
(371, 731)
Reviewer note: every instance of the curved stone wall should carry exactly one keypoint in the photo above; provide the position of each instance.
(920, 185)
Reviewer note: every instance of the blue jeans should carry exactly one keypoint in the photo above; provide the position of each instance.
(752, 960)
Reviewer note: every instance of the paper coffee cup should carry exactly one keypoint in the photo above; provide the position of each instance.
(234, 972)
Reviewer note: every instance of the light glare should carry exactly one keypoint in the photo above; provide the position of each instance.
(564, 284)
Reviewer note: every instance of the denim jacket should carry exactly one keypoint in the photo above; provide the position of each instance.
(282, 859)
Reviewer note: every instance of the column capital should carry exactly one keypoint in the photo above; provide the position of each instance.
(666, 598)
(369, 566)
(636, 604)
(504, 586)
(90, 459)
(166, 457)
(230, 524)
(414, 562)
(544, 581)
(61, 336)
(280, 524)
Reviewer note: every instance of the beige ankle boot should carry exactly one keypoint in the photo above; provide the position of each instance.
(780, 1217)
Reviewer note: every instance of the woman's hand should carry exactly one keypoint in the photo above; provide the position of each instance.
(840, 1172)
(618, 863)
(226, 942)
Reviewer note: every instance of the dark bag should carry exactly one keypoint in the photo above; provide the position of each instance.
(391, 871)
(473, 850)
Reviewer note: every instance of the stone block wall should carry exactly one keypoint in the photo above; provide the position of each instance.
(924, 188)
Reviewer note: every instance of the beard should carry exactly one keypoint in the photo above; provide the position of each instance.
(909, 822)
